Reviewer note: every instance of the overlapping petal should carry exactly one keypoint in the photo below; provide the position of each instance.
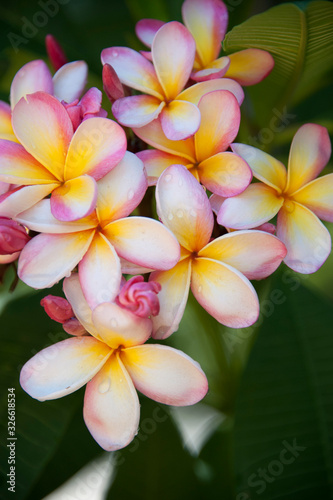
(146, 29)
(63, 368)
(32, 77)
(20, 199)
(250, 66)
(74, 199)
(216, 69)
(180, 120)
(194, 93)
(317, 196)
(137, 110)
(70, 80)
(6, 129)
(165, 374)
(155, 162)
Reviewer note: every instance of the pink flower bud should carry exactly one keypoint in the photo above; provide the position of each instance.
(73, 327)
(55, 52)
(140, 297)
(111, 84)
(13, 236)
(58, 308)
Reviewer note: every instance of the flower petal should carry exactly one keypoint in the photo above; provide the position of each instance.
(194, 93)
(180, 120)
(111, 407)
(309, 153)
(6, 129)
(317, 196)
(153, 135)
(257, 204)
(130, 268)
(307, 240)
(63, 368)
(184, 208)
(19, 167)
(39, 218)
(18, 200)
(225, 174)
(133, 70)
(70, 80)
(264, 166)
(100, 272)
(207, 20)
(155, 162)
(44, 128)
(146, 29)
(173, 52)
(48, 258)
(74, 199)
(172, 298)
(256, 254)
(225, 293)
(118, 326)
(250, 66)
(220, 119)
(122, 189)
(32, 77)
(7, 259)
(216, 69)
(165, 374)
(137, 110)
(97, 146)
(145, 242)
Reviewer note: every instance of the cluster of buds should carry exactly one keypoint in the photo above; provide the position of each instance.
(66, 174)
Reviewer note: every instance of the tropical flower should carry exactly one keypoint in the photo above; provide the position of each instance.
(217, 271)
(204, 154)
(13, 237)
(207, 20)
(96, 242)
(51, 159)
(297, 197)
(113, 362)
(173, 55)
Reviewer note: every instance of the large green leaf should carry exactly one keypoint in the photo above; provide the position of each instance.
(301, 44)
(286, 403)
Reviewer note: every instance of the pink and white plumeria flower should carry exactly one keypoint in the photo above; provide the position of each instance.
(204, 154)
(113, 362)
(52, 159)
(207, 20)
(96, 242)
(217, 271)
(296, 196)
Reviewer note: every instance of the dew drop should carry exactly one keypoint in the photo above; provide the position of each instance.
(193, 212)
(180, 213)
(180, 183)
(22, 73)
(170, 216)
(130, 194)
(104, 386)
(114, 322)
(114, 53)
(168, 178)
(199, 289)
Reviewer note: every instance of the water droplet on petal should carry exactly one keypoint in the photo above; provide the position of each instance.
(193, 212)
(130, 194)
(114, 322)
(114, 53)
(180, 183)
(180, 213)
(22, 73)
(104, 386)
(170, 216)
(199, 289)
(168, 178)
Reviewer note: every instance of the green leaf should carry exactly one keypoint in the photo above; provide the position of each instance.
(301, 44)
(285, 402)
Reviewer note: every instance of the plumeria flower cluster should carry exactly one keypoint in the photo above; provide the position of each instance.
(73, 207)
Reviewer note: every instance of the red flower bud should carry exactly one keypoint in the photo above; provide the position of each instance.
(58, 308)
(111, 84)
(13, 236)
(55, 52)
(140, 297)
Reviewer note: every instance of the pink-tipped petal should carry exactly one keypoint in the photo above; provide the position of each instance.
(63, 368)
(75, 199)
(18, 200)
(207, 21)
(172, 297)
(32, 77)
(165, 374)
(133, 269)
(309, 153)
(224, 292)
(216, 202)
(256, 254)
(111, 407)
(70, 80)
(180, 120)
(317, 196)
(118, 326)
(44, 128)
(264, 166)
(146, 29)
(257, 204)
(250, 66)
(307, 240)
(122, 189)
(217, 69)
(173, 51)
(7, 259)
(55, 52)
(194, 93)
(137, 110)
(145, 242)
(153, 135)
(100, 272)
(48, 258)
(220, 119)
(155, 162)
(184, 208)
(225, 174)
(97, 146)
(133, 70)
